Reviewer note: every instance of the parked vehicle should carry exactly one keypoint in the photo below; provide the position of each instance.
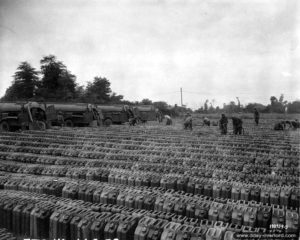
(145, 113)
(78, 114)
(25, 115)
(113, 114)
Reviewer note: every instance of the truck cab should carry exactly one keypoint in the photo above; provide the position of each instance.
(145, 113)
(78, 114)
(24, 115)
(113, 114)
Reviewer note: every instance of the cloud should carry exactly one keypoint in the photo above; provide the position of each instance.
(286, 74)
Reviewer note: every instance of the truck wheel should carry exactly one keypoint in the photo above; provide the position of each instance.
(4, 126)
(69, 123)
(41, 125)
(107, 122)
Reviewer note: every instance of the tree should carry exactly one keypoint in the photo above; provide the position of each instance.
(24, 83)
(250, 107)
(294, 107)
(239, 103)
(206, 106)
(114, 98)
(273, 100)
(57, 82)
(146, 101)
(277, 106)
(98, 91)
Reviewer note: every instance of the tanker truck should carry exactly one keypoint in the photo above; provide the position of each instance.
(25, 115)
(78, 114)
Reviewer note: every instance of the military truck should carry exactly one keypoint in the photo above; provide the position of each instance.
(25, 115)
(78, 114)
(113, 114)
(145, 113)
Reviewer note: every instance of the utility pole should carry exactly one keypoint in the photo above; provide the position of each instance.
(181, 96)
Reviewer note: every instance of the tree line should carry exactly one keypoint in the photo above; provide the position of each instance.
(277, 105)
(54, 82)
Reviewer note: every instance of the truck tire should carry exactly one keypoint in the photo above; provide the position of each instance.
(69, 123)
(41, 125)
(107, 122)
(4, 126)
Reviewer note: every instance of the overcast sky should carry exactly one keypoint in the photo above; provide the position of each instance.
(150, 48)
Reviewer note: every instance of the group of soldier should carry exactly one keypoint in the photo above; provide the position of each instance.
(283, 125)
(237, 122)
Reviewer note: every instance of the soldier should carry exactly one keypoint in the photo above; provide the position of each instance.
(60, 119)
(168, 120)
(223, 124)
(188, 122)
(256, 116)
(295, 124)
(206, 121)
(279, 126)
(237, 124)
(158, 115)
(130, 115)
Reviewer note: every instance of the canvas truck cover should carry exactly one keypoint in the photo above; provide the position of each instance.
(145, 108)
(15, 107)
(72, 107)
(105, 108)
(10, 107)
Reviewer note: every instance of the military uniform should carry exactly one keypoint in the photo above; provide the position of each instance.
(223, 124)
(256, 116)
(168, 120)
(188, 122)
(206, 121)
(237, 124)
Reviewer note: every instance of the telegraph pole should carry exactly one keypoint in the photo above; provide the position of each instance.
(181, 96)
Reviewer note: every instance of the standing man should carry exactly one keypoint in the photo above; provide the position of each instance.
(158, 115)
(237, 124)
(130, 116)
(256, 116)
(223, 124)
(60, 119)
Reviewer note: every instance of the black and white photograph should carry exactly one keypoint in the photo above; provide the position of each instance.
(149, 119)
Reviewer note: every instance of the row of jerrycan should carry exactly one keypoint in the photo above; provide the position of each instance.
(284, 196)
(38, 218)
(243, 213)
(47, 187)
(240, 215)
(104, 225)
(149, 202)
(57, 145)
(151, 228)
(168, 183)
(42, 221)
(260, 178)
(276, 196)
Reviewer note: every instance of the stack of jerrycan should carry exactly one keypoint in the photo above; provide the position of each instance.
(5, 235)
(150, 228)
(170, 231)
(120, 226)
(292, 221)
